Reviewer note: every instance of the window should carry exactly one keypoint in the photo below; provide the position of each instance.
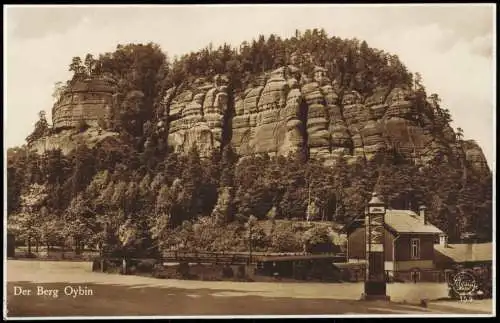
(415, 248)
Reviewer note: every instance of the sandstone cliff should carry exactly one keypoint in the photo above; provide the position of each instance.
(285, 110)
(474, 155)
(195, 116)
(68, 140)
(90, 100)
(288, 109)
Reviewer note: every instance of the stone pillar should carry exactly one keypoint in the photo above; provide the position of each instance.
(375, 283)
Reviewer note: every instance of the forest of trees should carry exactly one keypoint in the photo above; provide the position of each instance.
(146, 195)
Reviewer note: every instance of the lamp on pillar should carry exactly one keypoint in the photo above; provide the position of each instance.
(375, 283)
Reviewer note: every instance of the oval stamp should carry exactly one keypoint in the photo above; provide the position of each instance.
(464, 284)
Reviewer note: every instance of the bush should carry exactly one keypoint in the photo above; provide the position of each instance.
(260, 240)
(241, 272)
(30, 255)
(96, 265)
(183, 270)
(132, 270)
(227, 272)
(317, 239)
(146, 266)
(284, 239)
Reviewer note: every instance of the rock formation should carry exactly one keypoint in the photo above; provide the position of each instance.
(267, 116)
(474, 155)
(287, 110)
(68, 140)
(90, 101)
(196, 116)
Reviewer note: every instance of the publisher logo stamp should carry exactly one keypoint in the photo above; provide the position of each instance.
(464, 284)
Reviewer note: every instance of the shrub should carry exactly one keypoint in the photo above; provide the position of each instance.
(260, 240)
(183, 270)
(146, 266)
(317, 239)
(284, 239)
(227, 272)
(241, 272)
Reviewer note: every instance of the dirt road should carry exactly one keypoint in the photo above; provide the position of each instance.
(85, 293)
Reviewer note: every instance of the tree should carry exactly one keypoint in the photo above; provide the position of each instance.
(90, 64)
(185, 235)
(83, 168)
(418, 86)
(41, 128)
(28, 221)
(446, 115)
(25, 225)
(250, 227)
(460, 134)
(435, 99)
(59, 89)
(161, 222)
(52, 232)
(128, 235)
(80, 222)
(77, 68)
(312, 211)
(139, 68)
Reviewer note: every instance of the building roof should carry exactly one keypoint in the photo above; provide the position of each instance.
(405, 221)
(400, 221)
(464, 252)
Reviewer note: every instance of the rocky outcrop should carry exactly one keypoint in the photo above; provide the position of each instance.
(196, 116)
(68, 140)
(475, 156)
(268, 116)
(318, 135)
(90, 101)
(287, 110)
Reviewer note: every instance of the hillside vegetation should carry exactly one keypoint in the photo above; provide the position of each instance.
(135, 190)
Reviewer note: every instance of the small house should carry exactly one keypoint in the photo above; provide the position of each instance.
(408, 244)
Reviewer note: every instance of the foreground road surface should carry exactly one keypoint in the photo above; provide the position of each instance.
(41, 288)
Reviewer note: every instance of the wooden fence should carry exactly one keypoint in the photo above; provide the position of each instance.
(237, 258)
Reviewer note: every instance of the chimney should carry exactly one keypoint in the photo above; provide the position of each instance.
(443, 240)
(423, 216)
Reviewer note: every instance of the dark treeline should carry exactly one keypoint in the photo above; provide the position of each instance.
(140, 193)
(90, 189)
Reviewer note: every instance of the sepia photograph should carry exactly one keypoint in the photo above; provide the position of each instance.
(249, 161)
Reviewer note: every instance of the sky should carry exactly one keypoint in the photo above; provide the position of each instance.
(451, 46)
